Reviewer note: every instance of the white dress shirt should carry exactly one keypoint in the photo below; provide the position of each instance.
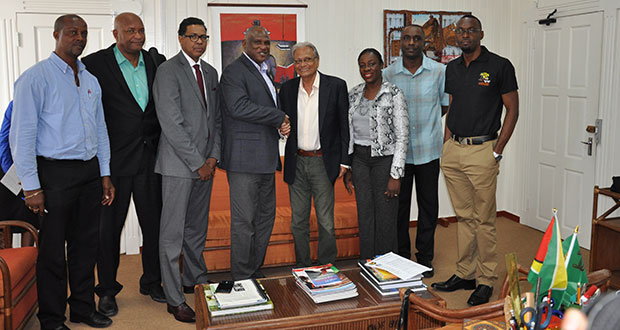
(262, 68)
(308, 116)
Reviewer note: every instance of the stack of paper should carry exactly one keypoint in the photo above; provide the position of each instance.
(390, 272)
(324, 283)
(246, 296)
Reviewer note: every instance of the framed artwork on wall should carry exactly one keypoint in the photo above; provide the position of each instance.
(285, 25)
(439, 30)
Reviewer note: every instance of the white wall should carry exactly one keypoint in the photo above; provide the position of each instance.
(341, 29)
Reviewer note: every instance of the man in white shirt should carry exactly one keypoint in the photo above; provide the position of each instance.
(316, 152)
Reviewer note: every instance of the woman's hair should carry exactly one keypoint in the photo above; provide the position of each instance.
(371, 51)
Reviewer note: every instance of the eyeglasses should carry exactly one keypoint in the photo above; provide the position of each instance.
(195, 37)
(469, 31)
(304, 60)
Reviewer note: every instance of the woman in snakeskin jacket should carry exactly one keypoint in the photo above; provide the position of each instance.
(379, 129)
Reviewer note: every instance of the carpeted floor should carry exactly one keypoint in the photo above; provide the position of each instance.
(140, 312)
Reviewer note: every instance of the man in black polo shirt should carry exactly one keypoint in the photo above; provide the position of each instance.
(480, 84)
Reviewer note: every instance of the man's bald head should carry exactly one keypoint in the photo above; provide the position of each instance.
(256, 31)
(257, 44)
(121, 20)
(129, 33)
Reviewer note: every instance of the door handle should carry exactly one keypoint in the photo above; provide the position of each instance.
(596, 130)
(589, 144)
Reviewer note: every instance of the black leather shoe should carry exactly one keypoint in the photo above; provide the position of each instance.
(428, 273)
(108, 306)
(61, 327)
(155, 291)
(190, 289)
(258, 274)
(481, 295)
(454, 283)
(95, 320)
(182, 313)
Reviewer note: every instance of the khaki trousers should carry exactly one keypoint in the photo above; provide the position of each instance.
(471, 173)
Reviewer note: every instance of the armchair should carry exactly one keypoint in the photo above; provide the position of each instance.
(18, 290)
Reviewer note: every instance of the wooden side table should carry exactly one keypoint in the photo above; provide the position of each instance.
(605, 250)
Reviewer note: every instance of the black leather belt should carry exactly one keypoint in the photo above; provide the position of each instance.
(475, 140)
(65, 160)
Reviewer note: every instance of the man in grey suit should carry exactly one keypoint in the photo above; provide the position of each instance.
(188, 112)
(250, 123)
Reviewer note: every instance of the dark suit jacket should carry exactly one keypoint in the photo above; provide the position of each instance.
(333, 125)
(190, 130)
(130, 129)
(250, 120)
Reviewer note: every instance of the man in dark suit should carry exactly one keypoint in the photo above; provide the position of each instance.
(316, 152)
(250, 156)
(185, 93)
(126, 73)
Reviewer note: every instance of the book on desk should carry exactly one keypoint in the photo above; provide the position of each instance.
(387, 283)
(393, 291)
(246, 296)
(324, 283)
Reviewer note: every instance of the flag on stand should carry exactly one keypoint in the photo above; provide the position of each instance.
(575, 269)
(542, 252)
(549, 263)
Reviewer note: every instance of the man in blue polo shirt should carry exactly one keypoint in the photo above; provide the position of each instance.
(422, 81)
(480, 84)
(60, 146)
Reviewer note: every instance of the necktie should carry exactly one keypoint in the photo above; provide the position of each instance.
(201, 85)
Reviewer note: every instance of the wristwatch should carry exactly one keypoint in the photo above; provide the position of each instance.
(497, 156)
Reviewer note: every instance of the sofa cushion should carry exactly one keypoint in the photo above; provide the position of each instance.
(281, 247)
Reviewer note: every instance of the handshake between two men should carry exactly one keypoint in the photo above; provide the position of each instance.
(285, 128)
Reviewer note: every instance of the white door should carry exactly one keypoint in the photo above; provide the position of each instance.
(37, 42)
(566, 77)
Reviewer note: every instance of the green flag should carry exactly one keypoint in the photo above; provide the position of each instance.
(575, 269)
(553, 271)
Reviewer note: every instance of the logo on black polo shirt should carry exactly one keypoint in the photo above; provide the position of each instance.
(484, 79)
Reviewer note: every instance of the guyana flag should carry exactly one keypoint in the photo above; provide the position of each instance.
(549, 263)
(575, 269)
(542, 252)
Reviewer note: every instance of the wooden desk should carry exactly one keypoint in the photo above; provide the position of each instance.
(606, 237)
(294, 310)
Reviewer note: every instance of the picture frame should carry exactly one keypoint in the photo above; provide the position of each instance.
(285, 23)
(439, 30)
